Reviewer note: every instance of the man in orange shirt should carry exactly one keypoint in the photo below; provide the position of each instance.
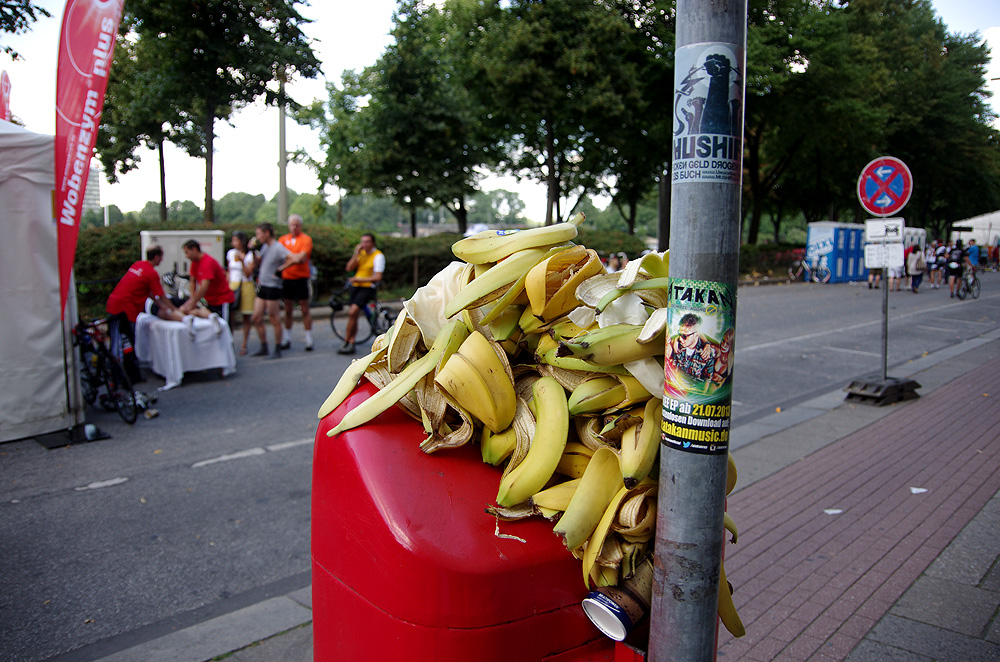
(295, 280)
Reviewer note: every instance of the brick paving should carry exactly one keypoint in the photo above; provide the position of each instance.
(812, 582)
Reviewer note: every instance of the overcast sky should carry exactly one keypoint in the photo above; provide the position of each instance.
(348, 35)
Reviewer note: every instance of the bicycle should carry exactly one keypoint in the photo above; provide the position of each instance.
(815, 271)
(375, 319)
(969, 285)
(99, 367)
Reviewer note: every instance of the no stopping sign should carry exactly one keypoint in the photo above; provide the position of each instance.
(884, 186)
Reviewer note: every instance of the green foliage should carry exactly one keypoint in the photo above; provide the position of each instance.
(94, 218)
(607, 242)
(875, 77)
(235, 208)
(16, 17)
(563, 84)
(406, 127)
(576, 94)
(413, 262)
(206, 60)
(496, 208)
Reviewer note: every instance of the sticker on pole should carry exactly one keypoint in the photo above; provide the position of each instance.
(708, 102)
(884, 186)
(698, 366)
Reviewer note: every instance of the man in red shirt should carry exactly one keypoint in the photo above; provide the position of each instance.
(209, 281)
(128, 299)
(295, 280)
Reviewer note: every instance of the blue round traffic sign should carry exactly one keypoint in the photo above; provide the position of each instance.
(884, 186)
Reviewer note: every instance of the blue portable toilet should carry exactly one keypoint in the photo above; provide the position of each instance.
(840, 246)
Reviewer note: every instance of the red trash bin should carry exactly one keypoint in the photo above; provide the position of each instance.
(408, 566)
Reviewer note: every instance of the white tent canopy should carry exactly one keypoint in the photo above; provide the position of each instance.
(39, 383)
(984, 229)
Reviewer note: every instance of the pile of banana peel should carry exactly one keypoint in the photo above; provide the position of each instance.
(555, 368)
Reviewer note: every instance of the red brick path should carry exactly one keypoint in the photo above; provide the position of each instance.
(810, 585)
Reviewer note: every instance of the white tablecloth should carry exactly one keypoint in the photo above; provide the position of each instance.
(171, 351)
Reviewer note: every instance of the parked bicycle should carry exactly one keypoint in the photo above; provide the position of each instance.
(969, 286)
(374, 320)
(99, 368)
(814, 271)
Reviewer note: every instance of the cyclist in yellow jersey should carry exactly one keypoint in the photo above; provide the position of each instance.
(368, 265)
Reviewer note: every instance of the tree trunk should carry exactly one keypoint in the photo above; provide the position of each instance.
(209, 129)
(552, 198)
(163, 181)
(462, 216)
(663, 210)
(755, 216)
(777, 221)
(756, 187)
(413, 222)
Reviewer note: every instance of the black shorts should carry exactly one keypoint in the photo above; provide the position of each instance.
(295, 289)
(953, 271)
(362, 295)
(269, 293)
(221, 309)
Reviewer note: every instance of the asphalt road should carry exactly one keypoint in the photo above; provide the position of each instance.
(206, 508)
(794, 342)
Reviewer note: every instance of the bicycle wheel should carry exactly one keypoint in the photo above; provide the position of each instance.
(90, 380)
(975, 287)
(962, 290)
(311, 289)
(822, 274)
(338, 321)
(119, 388)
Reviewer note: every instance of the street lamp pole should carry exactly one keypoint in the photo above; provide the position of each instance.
(282, 153)
(706, 174)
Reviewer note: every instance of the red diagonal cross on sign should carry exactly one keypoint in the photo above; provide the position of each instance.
(885, 178)
(882, 184)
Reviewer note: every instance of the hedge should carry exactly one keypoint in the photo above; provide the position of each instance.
(104, 254)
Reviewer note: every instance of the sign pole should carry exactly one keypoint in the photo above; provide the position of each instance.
(885, 325)
(884, 187)
(706, 172)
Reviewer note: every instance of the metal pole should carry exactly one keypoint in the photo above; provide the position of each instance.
(282, 154)
(704, 263)
(885, 324)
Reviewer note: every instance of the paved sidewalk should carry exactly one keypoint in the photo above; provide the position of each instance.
(836, 539)
(866, 533)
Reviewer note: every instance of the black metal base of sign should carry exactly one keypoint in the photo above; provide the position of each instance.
(882, 392)
(78, 434)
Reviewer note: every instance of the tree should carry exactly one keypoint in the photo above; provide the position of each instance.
(227, 53)
(16, 17)
(238, 207)
(812, 105)
(94, 218)
(640, 140)
(832, 85)
(557, 72)
(496, 208)
(940, 124)
(143, 107)
(408, 127)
